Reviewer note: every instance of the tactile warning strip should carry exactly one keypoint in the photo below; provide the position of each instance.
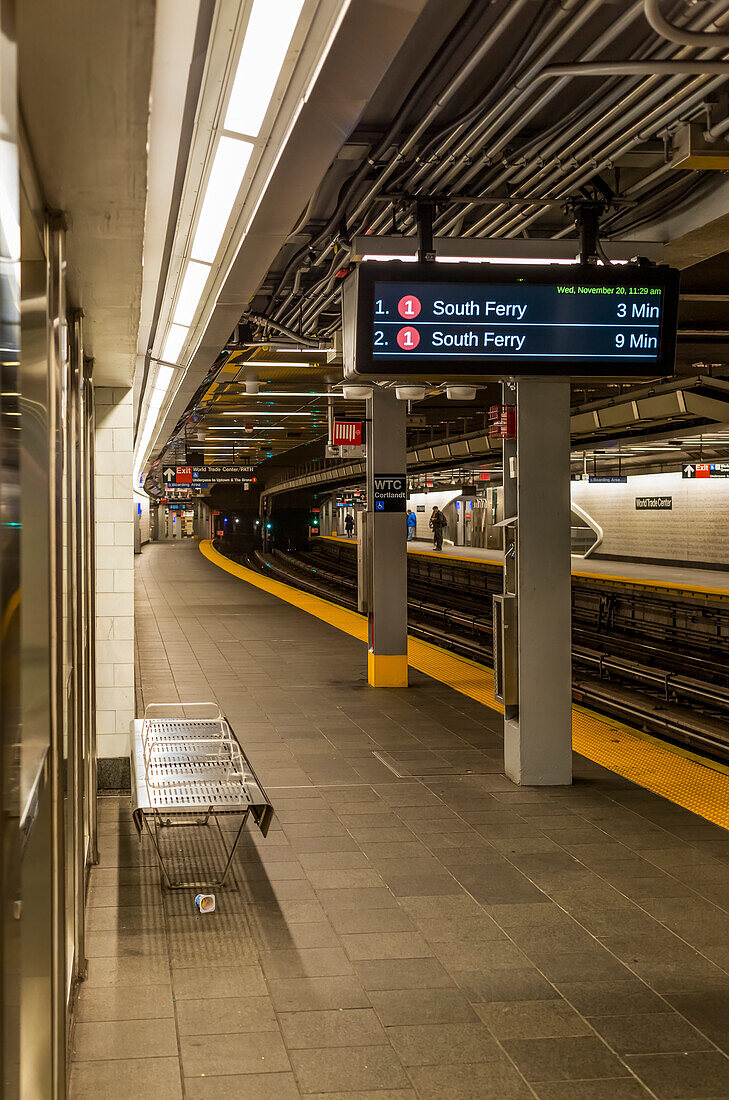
(702, 788)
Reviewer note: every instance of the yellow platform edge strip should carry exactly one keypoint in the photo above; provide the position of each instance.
(673, 773)
(670, 586)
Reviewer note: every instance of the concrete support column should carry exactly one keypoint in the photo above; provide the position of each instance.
(538, 737)
(387, 661)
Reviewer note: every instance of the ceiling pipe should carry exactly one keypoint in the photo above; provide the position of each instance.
(717, 130)
(654, 68)
(633, 68)
(455, 83)
(439, 63)
(496, 117)
(314, 308)
(661, 26)
(505, 105)
(595, 158)
(261, 320)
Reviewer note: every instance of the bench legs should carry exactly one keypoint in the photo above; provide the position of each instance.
(180, 884)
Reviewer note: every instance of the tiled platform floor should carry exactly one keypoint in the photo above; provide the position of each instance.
(446, 936)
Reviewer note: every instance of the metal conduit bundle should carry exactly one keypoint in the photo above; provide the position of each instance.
(656, 87)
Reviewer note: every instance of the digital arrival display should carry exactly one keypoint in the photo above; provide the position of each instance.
(565, 320)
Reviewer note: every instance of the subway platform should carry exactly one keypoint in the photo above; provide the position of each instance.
(444, 935)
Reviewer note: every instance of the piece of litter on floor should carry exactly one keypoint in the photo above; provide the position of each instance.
(205, 903)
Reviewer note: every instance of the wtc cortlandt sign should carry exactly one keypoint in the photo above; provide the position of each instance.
(390, 493)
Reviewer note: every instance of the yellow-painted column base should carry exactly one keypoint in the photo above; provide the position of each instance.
(386, 670)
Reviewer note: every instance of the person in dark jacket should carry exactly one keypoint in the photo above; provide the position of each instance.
(349, 524)
(438, 523)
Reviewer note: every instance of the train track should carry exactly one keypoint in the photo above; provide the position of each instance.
(658, 662)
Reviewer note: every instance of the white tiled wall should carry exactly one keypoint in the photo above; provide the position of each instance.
(114, 571)
(434, 499)
(695, 529)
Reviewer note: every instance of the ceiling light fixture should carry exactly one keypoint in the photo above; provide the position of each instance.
(165, 374)
(266, 43)
(259, 428)
(226, 176)
(272, 363)
(174, 343)
(248, 413)
(291, 393)
(191, 290)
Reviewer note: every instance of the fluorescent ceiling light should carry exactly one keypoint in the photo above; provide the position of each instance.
(164, 377)
(274, 363)
(246, 415)
(173, 344)
(226, 176)
(9, 202)
(268, 36)
(191, 290)
(288, 393)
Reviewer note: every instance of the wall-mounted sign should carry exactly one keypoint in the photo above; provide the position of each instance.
(390, 492)
(705, 469)
(608, 480)
(427, 320)
(419, 507)
(650, 504)
(347, 433)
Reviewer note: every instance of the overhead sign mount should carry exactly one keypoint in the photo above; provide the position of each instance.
(436, 321)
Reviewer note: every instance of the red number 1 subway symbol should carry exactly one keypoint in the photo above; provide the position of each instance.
(409, 307)
(408, 338)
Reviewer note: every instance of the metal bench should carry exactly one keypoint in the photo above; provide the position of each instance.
(191, 771)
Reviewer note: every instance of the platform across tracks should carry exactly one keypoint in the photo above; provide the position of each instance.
(684, 579)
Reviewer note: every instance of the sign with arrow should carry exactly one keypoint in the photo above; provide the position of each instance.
(705, 469)
(220, 475)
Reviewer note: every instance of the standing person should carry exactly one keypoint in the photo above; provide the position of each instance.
(438, 523)
(412, 524)
(349, 524)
